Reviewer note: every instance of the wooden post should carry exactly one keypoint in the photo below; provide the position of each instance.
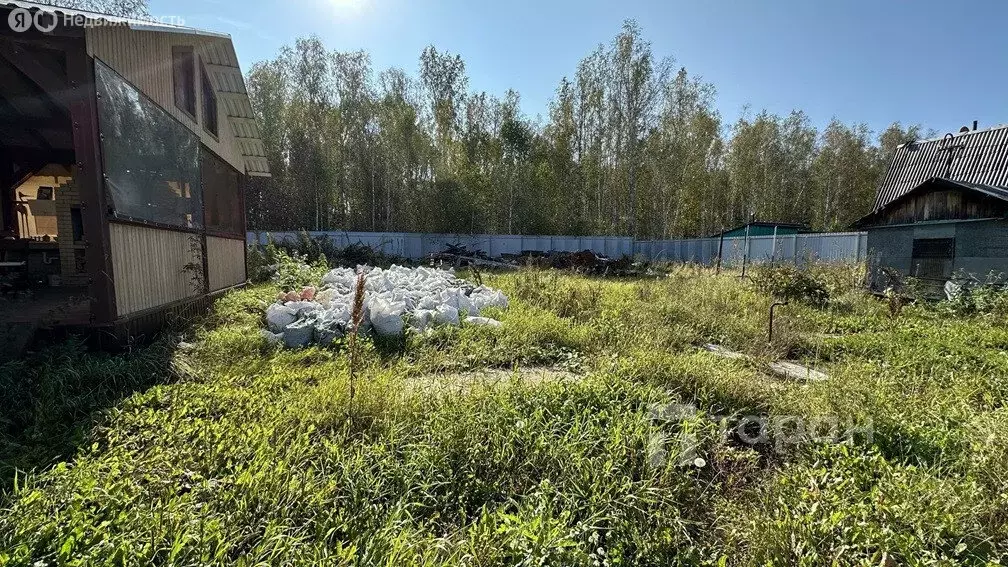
(720, 250)
(745, 250)
(90, 181)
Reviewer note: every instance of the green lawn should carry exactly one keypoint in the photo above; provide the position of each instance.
(231, 452)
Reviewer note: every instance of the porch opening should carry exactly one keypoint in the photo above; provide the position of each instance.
(43, 277)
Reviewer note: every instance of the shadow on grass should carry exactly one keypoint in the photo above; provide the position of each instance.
(51, 398)
(391, 347)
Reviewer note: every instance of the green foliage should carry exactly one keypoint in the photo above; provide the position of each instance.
(548, 290)
(633, 144)
(789, 283)
(987, 297)
(50, 398)
(229, 451)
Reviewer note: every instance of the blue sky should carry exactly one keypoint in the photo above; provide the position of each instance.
(940, 63)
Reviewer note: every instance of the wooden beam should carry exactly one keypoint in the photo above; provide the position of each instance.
(33, 122)
(91, 185)
(47, 78)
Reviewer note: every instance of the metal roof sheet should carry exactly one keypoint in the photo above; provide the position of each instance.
(979, 157)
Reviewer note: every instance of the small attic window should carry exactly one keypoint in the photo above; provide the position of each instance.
(184, 79)
(209, 104)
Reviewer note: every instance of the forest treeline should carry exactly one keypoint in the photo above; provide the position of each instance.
(631, 145)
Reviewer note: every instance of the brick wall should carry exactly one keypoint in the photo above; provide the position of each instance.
(71, 253)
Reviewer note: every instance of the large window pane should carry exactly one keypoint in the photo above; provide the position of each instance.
(222, 195)
(151, 159)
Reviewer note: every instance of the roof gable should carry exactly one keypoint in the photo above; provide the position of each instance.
(989, 193)
(129, 38)
(978, 157)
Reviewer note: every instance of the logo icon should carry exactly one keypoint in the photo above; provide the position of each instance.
(20, 19)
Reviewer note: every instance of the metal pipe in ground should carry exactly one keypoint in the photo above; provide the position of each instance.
(770, 326)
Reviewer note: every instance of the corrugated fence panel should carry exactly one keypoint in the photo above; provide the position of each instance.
(832, 247)
(225, 261)
(148, 266)
(829, 247)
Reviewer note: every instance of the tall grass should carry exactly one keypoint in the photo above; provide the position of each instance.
(242, 454)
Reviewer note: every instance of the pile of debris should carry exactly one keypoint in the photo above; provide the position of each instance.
(419, 298)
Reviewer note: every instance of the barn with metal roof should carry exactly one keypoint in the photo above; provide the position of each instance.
(941, 210)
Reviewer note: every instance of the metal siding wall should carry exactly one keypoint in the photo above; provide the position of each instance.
(145, 59)
(147, 266)
(982, 239)
(225, 261)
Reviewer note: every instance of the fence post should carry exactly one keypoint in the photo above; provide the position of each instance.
(720, 250)
(745, 250)
(773, 247)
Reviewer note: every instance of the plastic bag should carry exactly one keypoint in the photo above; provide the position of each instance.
(482, 322)
(303, 308)
(387, 316)
(420, 319)
(446, 315)
(329, 329)
(483, 297)
(299, 333)
(271, 338)
(279, 316)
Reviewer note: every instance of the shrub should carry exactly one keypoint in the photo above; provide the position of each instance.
(288, 270)
(789, 283)
(972, 296)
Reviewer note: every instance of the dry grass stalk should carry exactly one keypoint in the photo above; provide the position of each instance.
(356, 317)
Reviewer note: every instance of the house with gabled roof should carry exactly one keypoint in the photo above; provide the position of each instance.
(941, 209)
(126, 147)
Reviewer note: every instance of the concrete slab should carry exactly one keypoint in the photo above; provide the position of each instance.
(723, 352)
(795, 371)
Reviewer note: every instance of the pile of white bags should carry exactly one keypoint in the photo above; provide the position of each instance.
(420, 298)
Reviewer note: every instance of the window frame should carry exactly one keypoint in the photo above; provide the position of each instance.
(114, 212)
(185, 51)
(929, 254)
(240, 178)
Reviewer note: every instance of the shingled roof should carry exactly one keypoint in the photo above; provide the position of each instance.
(978, 157)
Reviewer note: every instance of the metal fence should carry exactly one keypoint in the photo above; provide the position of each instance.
(795, 248)
(420, 245)
(830, 247)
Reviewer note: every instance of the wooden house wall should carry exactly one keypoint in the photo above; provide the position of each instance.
(943, 205)
(149, 266)
(144, 58)
(225, 261)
